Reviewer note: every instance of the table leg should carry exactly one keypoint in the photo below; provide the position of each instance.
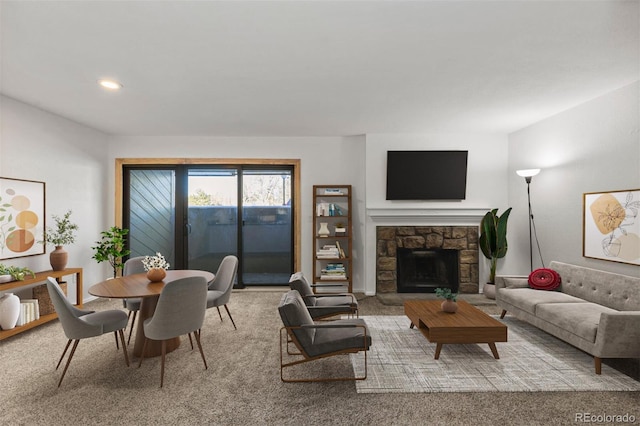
(494, 350)
(154, 347)
(438, 349)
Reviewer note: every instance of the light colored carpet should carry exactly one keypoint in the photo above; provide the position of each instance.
(401, 360)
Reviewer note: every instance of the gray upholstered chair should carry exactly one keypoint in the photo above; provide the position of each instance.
(323, 305)
(180, 310)
(220, 288)
(133, 266)
(81, 324)
(318, 340)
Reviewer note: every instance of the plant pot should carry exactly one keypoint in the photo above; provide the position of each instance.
(9, 311)
(489, 290)
(449, 306)
(156, 274)
(58, 259)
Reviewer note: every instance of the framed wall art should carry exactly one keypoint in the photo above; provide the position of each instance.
(611, 226)
(22, 218)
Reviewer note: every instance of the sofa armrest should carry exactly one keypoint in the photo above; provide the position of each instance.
(512, 281)
(618, 335)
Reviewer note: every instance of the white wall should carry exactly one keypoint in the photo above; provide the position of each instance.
(486, 186)
(324, 160)
(592, 147)
(69, 158)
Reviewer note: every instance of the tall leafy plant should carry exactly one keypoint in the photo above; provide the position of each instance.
(493, 238)
(112, 248)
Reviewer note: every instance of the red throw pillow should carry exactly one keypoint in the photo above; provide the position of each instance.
(544, 279)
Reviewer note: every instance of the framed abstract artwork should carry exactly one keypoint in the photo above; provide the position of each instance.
(611, 226)
(22, 218)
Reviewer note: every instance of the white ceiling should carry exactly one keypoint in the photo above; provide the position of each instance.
(285, 68)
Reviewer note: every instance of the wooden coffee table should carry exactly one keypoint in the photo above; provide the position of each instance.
(467, 325)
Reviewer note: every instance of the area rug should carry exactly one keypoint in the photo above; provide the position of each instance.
(401, 360)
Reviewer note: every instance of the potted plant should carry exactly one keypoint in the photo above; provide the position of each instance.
(449, 305)
(14, 273)
(155, 266)
(64, 233)
(493, 243)
(112, 248)
(340, 230)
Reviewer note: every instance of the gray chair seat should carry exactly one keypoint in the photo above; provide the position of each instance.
(212, 297)
(113, 320)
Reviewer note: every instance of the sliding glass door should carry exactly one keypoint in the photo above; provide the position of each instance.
(196, 215)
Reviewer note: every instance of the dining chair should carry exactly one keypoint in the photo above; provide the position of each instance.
(180, 310)
(133, 266)
(220, 288)
(80, 324)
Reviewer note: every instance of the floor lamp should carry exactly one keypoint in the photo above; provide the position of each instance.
(528, 174)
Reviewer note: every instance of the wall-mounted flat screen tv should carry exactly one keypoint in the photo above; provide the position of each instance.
(426, 175)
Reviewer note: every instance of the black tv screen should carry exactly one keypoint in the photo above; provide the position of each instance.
(426, 175)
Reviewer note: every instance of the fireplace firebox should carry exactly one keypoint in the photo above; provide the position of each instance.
(422, 270)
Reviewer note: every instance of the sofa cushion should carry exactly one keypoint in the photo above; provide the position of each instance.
(581, 319)
(527, 298)
(544, 279)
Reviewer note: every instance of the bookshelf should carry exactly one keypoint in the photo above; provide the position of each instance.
(333, 236)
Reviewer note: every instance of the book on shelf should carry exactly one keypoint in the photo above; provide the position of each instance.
(333, 191)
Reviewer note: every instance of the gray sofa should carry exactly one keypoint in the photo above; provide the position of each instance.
(595, 311)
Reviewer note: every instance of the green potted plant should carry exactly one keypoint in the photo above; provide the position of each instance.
(63, 234)
(14, 273)
(493, 243)
(449, 305)
(112, 248)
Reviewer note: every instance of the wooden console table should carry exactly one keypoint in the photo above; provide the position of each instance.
(41, 277)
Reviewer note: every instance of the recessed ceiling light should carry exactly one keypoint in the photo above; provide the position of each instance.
(110, 84)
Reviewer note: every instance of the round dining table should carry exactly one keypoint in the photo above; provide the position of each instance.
(138, 285)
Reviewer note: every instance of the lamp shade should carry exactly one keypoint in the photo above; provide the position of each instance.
(528, 172)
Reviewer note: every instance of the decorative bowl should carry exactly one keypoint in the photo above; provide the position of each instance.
(5, 278)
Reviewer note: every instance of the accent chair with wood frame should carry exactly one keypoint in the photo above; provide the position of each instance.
(323, 305)
(315, 341)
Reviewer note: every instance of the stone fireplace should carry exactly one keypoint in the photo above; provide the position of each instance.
(428, 243)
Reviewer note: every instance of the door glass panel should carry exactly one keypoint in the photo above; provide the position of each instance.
(212, 217)
(266, 232)
(152, 213)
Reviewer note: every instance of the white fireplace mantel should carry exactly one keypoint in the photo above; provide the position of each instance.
(462, 216)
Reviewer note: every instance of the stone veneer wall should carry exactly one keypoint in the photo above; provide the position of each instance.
(462, 238)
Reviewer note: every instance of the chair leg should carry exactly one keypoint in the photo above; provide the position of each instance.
(133, 323)
(164, 354)
(504, 312)
(190, 340)
(73, 350)
(229, 313)
(144, 347)
(124, 347)
(63, 352)
(197, 334)
(218, 308)
(115, 334)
